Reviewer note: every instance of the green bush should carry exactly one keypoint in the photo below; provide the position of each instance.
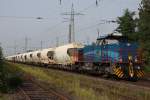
(147, 68)
(10, 78)
(3, 88)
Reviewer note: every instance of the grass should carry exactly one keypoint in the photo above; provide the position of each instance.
(13, 76)
(82, 87)
(6, 96)
(147, 69)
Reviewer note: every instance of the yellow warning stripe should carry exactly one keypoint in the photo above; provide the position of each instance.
(117, 69)
(118, 72)
(137, 74)
(119, 75)
(141, 73)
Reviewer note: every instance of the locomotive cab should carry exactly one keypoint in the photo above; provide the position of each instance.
(111, 39)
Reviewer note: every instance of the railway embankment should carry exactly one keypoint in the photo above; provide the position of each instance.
(82, 87)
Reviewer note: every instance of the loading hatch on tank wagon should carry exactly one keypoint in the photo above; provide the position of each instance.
(31, 55)
(50, 55)
(39, 55)
(25, 57)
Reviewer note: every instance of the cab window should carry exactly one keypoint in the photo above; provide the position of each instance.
(107, 41)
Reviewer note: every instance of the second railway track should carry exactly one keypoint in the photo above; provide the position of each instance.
(33, 91)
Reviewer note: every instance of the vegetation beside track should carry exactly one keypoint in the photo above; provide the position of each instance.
(147, 69)
(11, 80)
(82, 87)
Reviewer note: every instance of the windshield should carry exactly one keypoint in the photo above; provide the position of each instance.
(107, 41)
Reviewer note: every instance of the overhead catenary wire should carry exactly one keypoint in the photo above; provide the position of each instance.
(72, 23)
(79, 14)
(88, 7)
(26, 17)
(52, 27)
(58, 24)
(21, 17)
(96, 2)
(94, 25)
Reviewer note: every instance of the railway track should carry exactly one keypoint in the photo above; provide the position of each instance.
(33, 91)
(145, 82)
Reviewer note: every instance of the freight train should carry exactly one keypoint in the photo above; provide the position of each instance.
(111, 55)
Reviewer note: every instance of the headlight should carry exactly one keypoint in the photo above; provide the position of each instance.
(138, 67)
(130, 57)
(136, 60)
(120, 60)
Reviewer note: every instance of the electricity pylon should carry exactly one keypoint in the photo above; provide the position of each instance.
(71, 24)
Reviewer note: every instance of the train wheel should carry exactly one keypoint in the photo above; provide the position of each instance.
(115, 77)
(133, 79)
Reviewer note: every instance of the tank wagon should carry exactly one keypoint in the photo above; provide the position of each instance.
(111, 55)
(50, 56)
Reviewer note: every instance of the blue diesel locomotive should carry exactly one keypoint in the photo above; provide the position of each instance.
(112, 55)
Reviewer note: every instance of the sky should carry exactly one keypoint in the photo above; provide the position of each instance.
(18, 20)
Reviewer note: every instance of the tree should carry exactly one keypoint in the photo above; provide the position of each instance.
(3, 86)
(1, 54)
(144, 28)
(1, 58)
(127, 24)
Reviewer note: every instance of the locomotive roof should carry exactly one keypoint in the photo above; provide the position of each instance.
(112, 36)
